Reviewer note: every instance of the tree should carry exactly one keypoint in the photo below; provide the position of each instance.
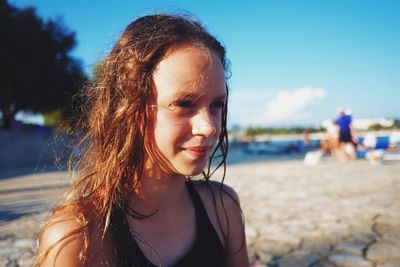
(36, 71)
(396, 124)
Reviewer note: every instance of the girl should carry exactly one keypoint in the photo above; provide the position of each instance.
(156, 117)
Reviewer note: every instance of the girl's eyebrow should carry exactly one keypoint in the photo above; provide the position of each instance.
(185, 94)
(221, 97)
(190, 95)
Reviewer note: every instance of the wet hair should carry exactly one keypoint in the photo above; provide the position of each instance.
(115, 148)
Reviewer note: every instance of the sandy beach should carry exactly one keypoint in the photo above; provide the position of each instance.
(331, 214)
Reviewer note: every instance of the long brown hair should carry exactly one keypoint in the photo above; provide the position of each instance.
(114, 150)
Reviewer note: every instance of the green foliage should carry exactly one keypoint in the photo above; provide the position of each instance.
(375, 127)
(37, 72)
(54, 119)
(378, 127)
(396, 124)
(253, 131)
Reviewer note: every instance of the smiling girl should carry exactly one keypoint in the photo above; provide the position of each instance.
(156, 117)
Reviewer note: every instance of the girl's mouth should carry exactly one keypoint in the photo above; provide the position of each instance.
(198, 152)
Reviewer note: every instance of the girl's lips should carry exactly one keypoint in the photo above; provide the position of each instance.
(198, 151)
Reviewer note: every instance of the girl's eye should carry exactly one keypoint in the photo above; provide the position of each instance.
(218, 105)
(183, 104)
(183, 108)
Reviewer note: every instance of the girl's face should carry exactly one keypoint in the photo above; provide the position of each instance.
(191, 95)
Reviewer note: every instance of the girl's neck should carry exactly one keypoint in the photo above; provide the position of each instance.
(158, 192)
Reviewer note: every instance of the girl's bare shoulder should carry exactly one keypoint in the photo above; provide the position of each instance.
(61, 239)
(66, 235)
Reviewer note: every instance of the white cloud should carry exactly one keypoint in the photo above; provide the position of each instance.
(289, 105)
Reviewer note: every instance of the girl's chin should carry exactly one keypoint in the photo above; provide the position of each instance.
(192, 171)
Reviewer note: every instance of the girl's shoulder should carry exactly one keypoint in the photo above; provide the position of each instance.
(68, 235)
(61, 239)
(217, 192)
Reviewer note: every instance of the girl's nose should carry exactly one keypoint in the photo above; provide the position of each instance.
(203, 124)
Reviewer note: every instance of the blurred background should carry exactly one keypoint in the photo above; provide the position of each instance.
(293, 63)
(296, 68)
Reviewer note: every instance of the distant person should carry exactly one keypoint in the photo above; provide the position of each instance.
(394, 140)
(346, 148)
(156, 118)
(306, 138)
(369, 141)
(330, 142)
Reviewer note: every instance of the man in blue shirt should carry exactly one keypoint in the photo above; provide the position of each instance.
(345, 138)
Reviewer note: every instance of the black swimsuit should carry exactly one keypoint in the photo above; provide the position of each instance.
(207, 249)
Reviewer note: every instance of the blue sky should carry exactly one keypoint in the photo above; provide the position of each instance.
(292, 62)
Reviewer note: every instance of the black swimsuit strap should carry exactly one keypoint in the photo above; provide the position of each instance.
(202, 219)
(200, 210)
(207, 241)
(124, 243)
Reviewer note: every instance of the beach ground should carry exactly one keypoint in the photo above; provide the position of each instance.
(331, 214)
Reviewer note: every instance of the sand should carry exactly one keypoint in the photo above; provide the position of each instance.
(331, 214)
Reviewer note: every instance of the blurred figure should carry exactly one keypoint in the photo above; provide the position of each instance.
(330, 143)
(394, 140)
(369, 141)
(306, 138)
(375, 156)
(346, 143)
